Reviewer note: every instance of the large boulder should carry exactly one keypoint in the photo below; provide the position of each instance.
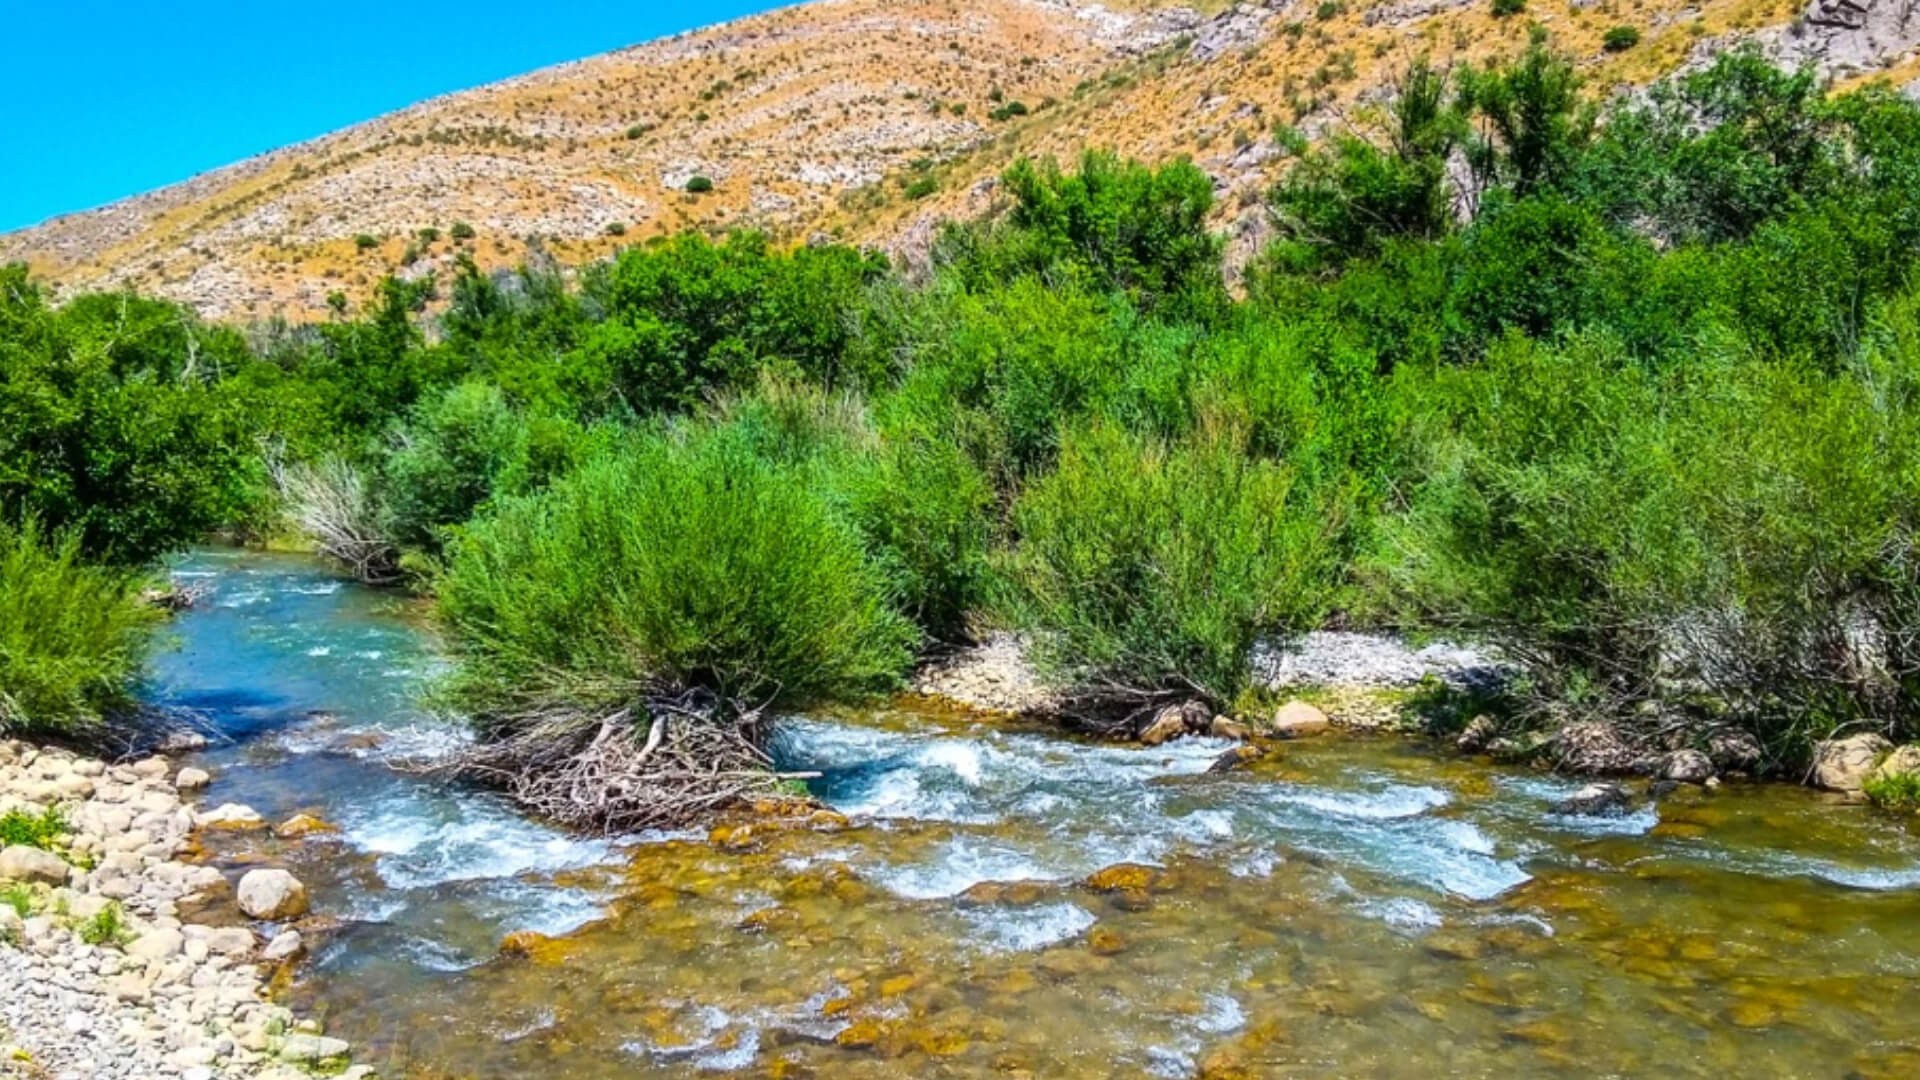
(272, 894)
(1845, 764)
(1297, 719)
(1687, 767)
(20, 863)
(1904, 761)
(1733, 751)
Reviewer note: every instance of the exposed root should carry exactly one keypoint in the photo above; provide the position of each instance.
(669, 762)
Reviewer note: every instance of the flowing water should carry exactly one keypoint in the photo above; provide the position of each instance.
(1345, 908)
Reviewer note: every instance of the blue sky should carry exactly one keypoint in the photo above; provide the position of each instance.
(109, 98)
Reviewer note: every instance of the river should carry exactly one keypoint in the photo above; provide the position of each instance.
(1343, 908)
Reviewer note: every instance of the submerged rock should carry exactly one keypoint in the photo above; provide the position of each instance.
(1845, 764)
(1596, 800)
(300, 826)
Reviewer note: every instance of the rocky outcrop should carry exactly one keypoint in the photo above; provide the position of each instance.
(1844, 764)
(106, 977)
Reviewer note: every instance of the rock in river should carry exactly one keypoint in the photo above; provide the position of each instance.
(1596, 800)
(1297, 719)
(1844, 764)
(1687, 767)
(272, 894)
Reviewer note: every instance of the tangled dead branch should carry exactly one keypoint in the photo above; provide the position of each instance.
(673, 760)
(330, 503)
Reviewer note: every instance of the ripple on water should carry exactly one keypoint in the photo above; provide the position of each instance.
(1025, 929)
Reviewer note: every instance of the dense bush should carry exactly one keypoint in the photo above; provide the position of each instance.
(73, 635)
(1734, 538)
(455, 456)
(680, 561)
(1144, 568)
(1113, 226)
(113, 423)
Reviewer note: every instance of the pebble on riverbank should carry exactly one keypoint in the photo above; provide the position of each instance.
(99, 974)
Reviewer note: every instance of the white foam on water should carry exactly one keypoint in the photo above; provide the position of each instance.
(1254, 864)
(1387, 804)
(1872, 880)
(324, 588)
(1638, 823)
(542, 1021)
(1403, 913)
(1223, 1014)
(437, 956)
(320, 650)
(744, 1050)
(960, 759)
(1024, 929)
(420, 847)
(962, 864)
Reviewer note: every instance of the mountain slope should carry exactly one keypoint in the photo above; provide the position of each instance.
(864, 120)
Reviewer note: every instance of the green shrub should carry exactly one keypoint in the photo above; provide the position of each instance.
(108, 926)
(1715, 535)
(462, 231)
(428, 235)
(1503, 9)
(921, 187)
(1148, 568)
(699, 185)
(1896, 792)
(19, 828)
(18, 897)
(113, 424)
(616, 228)
(73, 636)
(1620, 38)
(453, 456)
(926, 511)
(681, 561)
(366, 241)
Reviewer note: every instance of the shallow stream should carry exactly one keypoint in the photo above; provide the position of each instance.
(1345, 908)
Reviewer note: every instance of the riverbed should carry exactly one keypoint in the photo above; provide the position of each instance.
(1007, 901)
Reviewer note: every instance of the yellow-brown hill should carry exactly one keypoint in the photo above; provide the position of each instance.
(862, 120)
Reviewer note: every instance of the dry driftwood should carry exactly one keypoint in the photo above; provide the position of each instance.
(671, 761)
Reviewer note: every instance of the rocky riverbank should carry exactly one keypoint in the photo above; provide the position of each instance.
(121, 957)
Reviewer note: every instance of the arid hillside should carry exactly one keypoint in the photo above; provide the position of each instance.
(860, 120)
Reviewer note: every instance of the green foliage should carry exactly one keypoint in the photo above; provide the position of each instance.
(1708, 533)
(462, 231)
(925, 510)
(699, 185)
(22, 829)
(678, 561)
(1506, 9)
(366, 241)
(1113, 226)
(1896, 792)
(72, 634)
(1350, 199)
(452, 458)
(690, 318)
(18, 897)
(108, 926)
(113, 423)
(921, 187)
(1619, 39)
(1148, 568)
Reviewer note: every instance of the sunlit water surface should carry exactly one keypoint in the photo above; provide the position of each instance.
(1346, 908)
